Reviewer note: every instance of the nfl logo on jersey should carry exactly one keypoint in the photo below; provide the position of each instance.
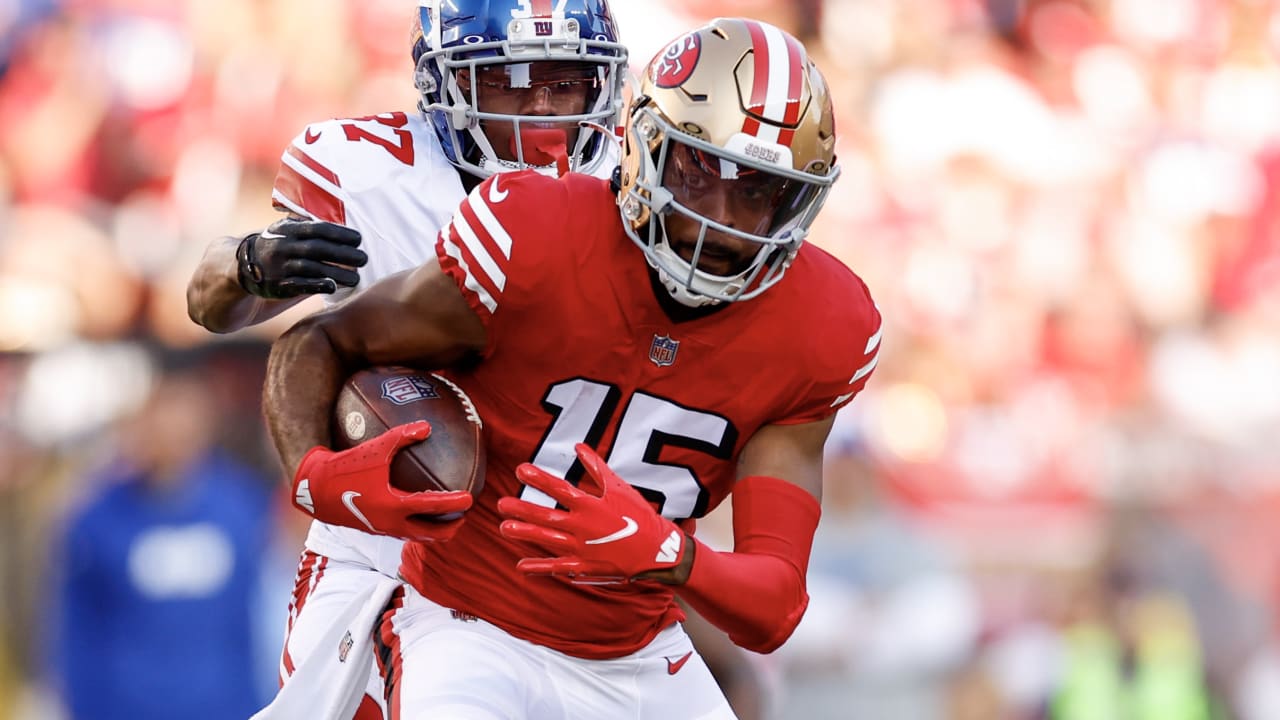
(404, 389)
(662, 351)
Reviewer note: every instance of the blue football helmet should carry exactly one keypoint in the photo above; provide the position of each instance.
(474, 36)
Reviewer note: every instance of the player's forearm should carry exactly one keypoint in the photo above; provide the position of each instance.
(718, 585)
(304, 373)
(757, 593)
(215, 298)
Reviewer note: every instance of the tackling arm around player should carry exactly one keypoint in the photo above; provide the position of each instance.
(242, 281)
(730, 151)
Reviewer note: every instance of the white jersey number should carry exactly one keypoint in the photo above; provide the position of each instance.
(401, 148)
(582, 410)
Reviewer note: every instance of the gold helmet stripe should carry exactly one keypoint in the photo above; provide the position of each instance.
(777, 84)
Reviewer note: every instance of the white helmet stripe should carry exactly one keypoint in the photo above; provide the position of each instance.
(779, 63)
(777, 85)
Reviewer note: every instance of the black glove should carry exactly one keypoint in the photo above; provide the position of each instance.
(299, 257)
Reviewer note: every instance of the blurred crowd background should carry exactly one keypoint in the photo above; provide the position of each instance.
(1056, 499)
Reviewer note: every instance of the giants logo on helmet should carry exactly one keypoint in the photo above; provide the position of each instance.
(677, 62)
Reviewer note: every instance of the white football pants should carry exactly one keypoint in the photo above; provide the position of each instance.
(448, 666)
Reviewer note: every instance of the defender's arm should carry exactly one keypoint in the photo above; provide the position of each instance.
(215, 298)
(242, 281)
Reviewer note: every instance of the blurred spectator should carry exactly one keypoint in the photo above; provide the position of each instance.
(158, 569)
(1069, 209)
(1131, 654)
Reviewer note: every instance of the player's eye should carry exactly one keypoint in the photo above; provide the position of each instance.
(567, 86)
(690, 174)
(768, 190)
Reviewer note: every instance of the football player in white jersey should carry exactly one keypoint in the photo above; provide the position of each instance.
(366, 197)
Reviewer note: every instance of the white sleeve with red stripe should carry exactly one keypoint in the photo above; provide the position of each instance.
(383, 175)
(308, 186)
(332, 162)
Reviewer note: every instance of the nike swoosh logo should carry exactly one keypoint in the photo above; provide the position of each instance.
(349, 499)
(311, 137)
(496, 195)
(303, 496)
(674, 667)
(627, 531)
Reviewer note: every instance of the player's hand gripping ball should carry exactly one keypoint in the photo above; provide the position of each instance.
(376, 399)
(407, 459)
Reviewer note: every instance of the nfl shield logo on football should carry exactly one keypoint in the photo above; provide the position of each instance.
(663, 350)
(404, 389)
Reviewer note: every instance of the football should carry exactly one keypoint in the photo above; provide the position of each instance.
(377, 398)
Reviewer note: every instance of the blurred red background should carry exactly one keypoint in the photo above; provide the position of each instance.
(1068, 210)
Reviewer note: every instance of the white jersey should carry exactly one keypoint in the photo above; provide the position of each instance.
(387, 177)
(384, 175)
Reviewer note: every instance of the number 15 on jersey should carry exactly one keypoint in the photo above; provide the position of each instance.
(582, 411)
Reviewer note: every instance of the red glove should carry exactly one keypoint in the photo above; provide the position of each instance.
(352, 488)
(608, 534)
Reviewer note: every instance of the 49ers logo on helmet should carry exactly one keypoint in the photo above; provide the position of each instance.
(676, 63)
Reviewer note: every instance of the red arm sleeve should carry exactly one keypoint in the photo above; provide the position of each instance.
(757, 593)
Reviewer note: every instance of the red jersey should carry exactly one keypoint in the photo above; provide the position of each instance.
(580, 350)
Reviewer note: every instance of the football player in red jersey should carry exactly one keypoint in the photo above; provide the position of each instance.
(365, 198)
(671, 321)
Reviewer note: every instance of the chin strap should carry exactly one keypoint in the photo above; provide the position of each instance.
(661, 256)
(679, 292)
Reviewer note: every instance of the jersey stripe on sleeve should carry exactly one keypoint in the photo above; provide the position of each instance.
(483, 257)
(478, 248)
(306, 187)
(871, 356)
